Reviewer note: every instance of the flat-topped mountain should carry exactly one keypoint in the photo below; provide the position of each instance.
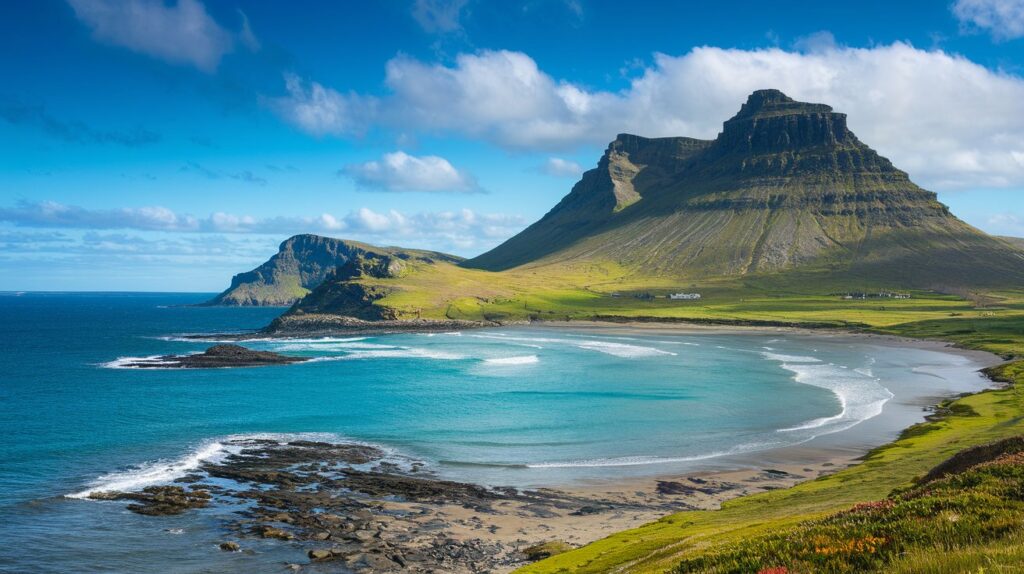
(785, 185)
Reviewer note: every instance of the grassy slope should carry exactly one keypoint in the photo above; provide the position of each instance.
(443, 290)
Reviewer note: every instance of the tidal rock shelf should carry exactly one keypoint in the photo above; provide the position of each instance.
(356, 507)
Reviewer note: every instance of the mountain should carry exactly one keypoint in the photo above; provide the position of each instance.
(300, 265)
(785, 186)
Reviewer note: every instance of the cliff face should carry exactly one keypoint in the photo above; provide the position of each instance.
(785, 185)
(301, 263)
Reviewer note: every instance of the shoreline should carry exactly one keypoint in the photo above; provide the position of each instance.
(499, 531)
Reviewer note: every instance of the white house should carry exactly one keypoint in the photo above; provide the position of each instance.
(678, 296)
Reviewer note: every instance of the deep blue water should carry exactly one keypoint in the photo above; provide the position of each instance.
(516, 406)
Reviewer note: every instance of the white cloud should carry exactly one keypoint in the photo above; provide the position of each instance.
(438, 15)
(459, 230)
(399, 171)
(50, 214)
(951, 123)
(1004, 19)
(322, 111)
(182, 33)
(558, 167)
(1006, 224)
(948, 121)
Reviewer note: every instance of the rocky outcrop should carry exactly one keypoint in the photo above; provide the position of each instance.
(304, 262)
(326, 324)
(159, 500)
(300, 264)
(216, 357)
(349, 299)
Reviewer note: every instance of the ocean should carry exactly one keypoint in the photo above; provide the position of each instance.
(516, 406)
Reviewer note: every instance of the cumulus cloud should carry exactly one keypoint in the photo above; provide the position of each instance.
(462, 229)
(948, 121)
(1004, 19)
(322, 111)
(558, 167)
(180, 33)
(17, 113)
(50, 214)
(399, 171)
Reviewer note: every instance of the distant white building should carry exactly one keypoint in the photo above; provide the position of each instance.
(684, 296)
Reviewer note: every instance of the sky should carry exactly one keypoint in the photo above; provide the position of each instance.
(165, 145)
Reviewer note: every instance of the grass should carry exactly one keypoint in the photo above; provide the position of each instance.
(444, 290)
(980, 506)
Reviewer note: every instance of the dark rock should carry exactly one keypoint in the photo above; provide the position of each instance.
(545, 550)
(218, 356)
(230, 546)
(271, 532)
(320, 554)
(159, 500)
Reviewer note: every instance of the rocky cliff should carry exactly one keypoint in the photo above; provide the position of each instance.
(300, 264)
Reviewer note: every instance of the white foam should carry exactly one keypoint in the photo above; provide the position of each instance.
(322, 347)
(789, 359)
(135, 362)
(860, 395)
(622, 350)
(155, 472)
(212, 451)
(198, 338)
(523, 360)
(396, 353)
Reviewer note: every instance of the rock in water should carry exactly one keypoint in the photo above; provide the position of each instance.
(217, 356)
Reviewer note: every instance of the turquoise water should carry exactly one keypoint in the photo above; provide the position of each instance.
(512, 406)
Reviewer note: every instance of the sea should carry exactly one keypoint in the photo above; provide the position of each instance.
(526, 406)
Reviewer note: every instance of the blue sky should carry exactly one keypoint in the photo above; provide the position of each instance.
(167, 144)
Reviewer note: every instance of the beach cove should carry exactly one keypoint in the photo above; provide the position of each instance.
(717, 413)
